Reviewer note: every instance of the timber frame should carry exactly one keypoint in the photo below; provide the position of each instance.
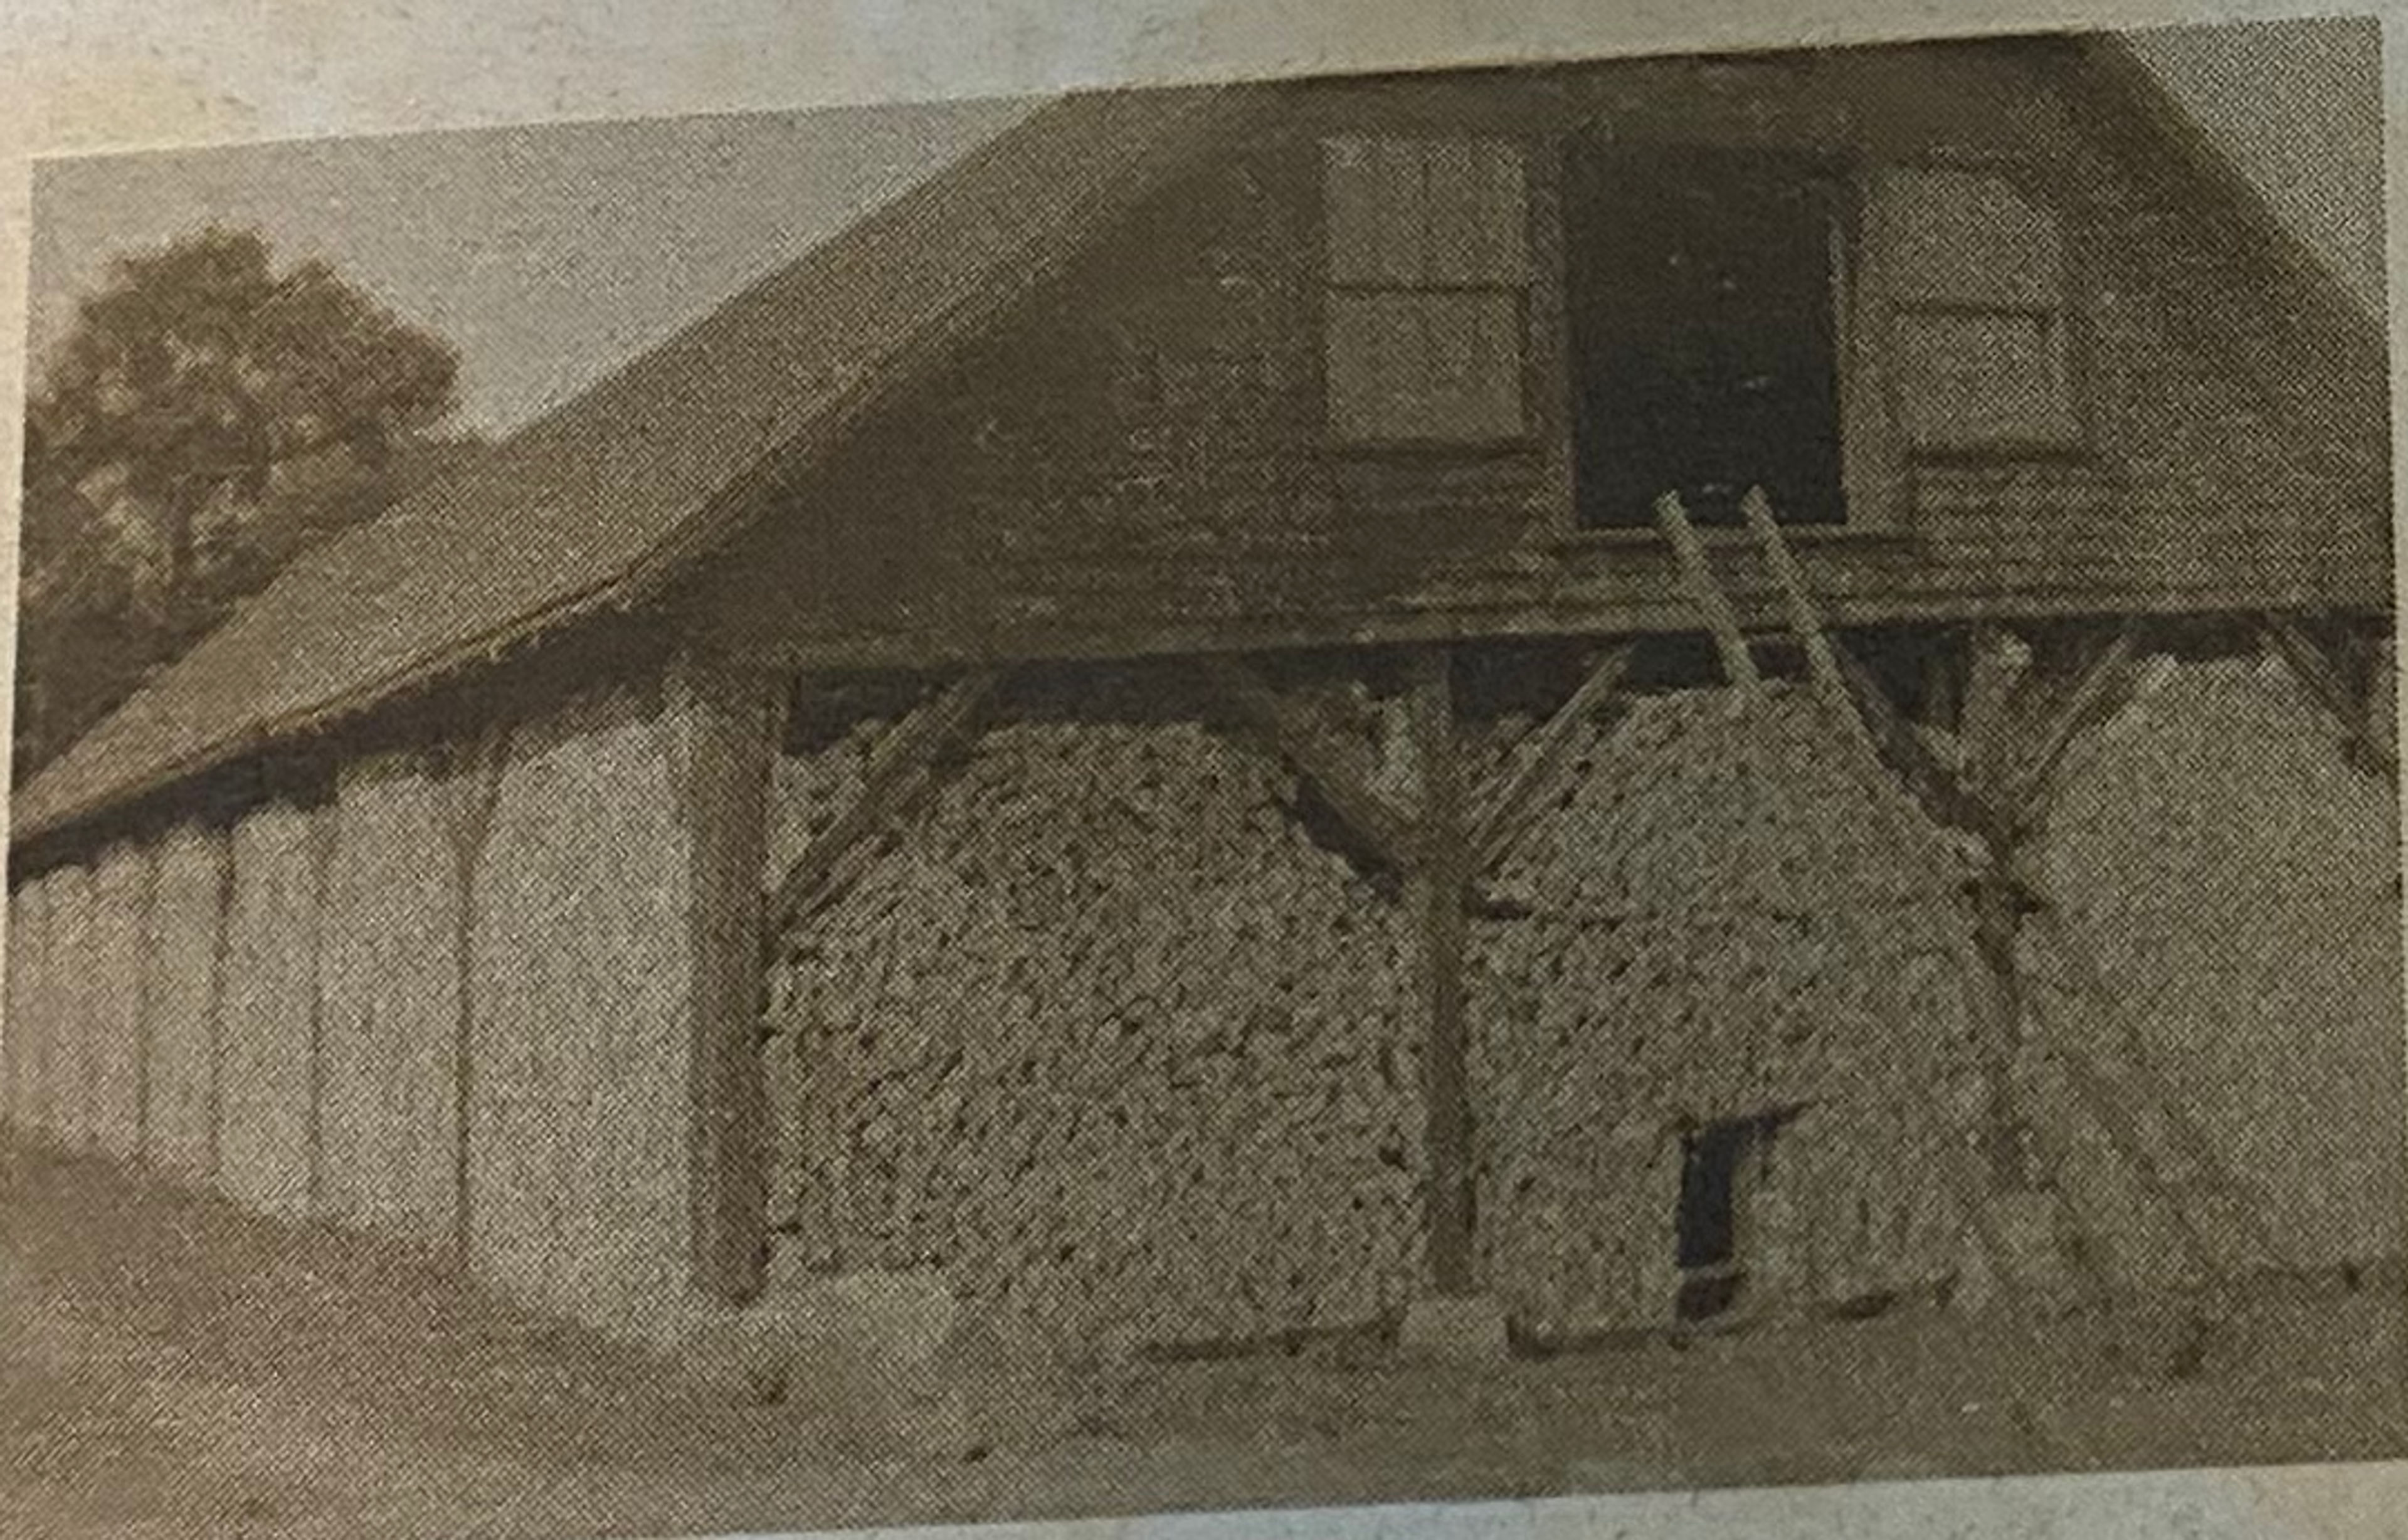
(1444, 846)
(2002, 706)
(2347, 670)
(1439, 845)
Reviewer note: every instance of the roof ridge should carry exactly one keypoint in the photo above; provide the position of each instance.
(679, 429)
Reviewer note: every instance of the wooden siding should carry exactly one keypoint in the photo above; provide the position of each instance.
(1138, 460)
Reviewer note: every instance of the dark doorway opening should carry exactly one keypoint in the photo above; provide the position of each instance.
(1704, 292)
(1723, 1165)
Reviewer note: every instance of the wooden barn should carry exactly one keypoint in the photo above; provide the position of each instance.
(1563, 701)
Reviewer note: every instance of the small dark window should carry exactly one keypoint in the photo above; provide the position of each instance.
(1705, 332)
(1721, 1164)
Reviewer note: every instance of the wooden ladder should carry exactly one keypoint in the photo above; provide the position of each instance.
(2177, 1168)
(1804, 622)
(2222, 1226)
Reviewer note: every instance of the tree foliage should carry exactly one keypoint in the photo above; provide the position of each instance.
(206, 418)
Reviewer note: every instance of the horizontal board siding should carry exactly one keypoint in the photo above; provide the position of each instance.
(1145, 446)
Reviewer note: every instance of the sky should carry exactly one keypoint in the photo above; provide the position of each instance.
(548, 255)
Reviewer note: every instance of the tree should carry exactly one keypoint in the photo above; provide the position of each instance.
(206, 419)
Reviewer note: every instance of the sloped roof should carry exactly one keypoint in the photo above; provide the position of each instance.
(598, 504)
(595, 504)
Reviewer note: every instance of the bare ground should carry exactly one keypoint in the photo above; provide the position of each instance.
(170, 1367)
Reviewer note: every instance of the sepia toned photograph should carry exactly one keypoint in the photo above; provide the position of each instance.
(1596, 775)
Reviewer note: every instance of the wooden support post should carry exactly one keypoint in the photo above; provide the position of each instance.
(1946, 670)
(143, 1010)
(472, 786)
(1722, 622)
(1438, 882)
(899, 767)
(221, 989)
(1508, 812)
(1321, 758)
(732, 722)
(1992, 673)
(321, 848)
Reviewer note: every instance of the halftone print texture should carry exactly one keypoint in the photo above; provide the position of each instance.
(1630, 775)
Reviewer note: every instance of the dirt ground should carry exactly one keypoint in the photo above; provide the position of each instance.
(171, 1367)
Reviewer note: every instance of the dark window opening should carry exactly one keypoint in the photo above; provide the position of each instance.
(1721, 1164)
(1704, 332)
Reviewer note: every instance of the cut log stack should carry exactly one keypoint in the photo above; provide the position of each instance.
(32, 1024)
(1105, 1034)
(68, 1078)
(388, 982)
(304, 1012)
(2247, 924)
(1110, 1033)
(267, 1012)
(180, 1001)
(578, 996)
(1717, 916)
(1109, 1039)
(111, 982)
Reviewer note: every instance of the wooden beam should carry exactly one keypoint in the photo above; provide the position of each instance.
(1437, 885)
(2108, 669)
(1942, 794)
(1625, 606)
(2329, 685)
(1321, 757)
(1712, 606)
(898, 767)
(1506, 816)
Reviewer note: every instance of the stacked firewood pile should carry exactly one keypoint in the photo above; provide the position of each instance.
(178, 999)
(1723, 914)
(1108, 1039)
(110, 969)
(2232, 879)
